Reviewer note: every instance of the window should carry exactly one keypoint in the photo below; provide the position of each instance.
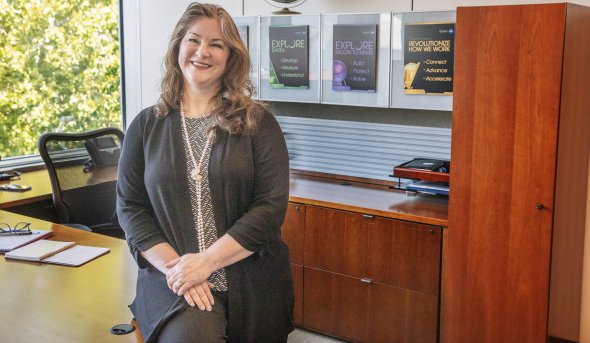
(59, 70)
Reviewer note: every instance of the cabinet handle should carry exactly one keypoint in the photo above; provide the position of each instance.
(297, 208)
(367, 280)
(368, 216)
(540, 206)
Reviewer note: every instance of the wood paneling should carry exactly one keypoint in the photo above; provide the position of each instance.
(506, 115)
(397, 315)
(293, 232)
(297, 272)
(336, 241)
(571, 186)
(388, 315)
(354, 310)
(393, 252)
(422, 312)
(405, 254)
(338, 307)
(318, 301)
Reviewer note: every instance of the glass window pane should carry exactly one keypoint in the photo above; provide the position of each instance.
(59, 70)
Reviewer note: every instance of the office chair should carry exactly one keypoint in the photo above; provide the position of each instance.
(82, 168)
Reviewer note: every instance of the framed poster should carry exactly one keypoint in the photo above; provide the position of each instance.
(422, 60)
(429, 58)
(248, 27)
(290, 58)
(355, 59)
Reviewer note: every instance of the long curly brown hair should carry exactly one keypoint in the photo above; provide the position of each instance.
(235, 111)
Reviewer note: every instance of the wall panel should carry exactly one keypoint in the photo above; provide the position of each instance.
(261, 7)
(359, 149)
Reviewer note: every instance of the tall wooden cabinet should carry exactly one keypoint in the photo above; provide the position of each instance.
(519, 177)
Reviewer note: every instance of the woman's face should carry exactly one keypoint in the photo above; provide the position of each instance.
(203, 55)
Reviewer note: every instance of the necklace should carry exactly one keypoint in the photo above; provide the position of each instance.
(196, 173)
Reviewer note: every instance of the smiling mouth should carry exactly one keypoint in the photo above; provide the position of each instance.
(200, 64)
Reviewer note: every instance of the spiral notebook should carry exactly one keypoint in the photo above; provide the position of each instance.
(8, 243)
(56, 252)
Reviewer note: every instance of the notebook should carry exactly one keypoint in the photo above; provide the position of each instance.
(429, 187)
(56, 252)
(8, 243)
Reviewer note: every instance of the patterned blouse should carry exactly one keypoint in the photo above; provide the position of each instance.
(197, 132)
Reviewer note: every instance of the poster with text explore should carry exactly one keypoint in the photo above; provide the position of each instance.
(289, 56)
(354, 58)
(429, 58)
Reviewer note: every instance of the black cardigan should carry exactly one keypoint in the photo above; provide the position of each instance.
(249, 180)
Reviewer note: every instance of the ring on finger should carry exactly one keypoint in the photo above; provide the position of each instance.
(178, 283)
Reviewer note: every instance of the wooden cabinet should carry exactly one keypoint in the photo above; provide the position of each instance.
(297, 271)
(519, 177)
(349, 308)
(370, 279)
(293, 234)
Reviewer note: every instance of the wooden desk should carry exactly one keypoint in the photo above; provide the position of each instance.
(51, 303)
(41, 189)
(70, 177)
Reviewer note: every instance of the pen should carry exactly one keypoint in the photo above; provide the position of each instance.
(16, 233)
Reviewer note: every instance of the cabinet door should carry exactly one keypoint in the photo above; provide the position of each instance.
(336, 241)
(388, 251)
(405, 254)
(349, 308)
(297, 272)
(293, 231)
(335, 304)
(505, 120)
(398, 315)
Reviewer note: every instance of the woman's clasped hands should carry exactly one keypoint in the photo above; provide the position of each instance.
(187, 276)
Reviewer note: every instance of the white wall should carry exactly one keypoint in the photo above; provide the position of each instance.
(148, 25)
(261, 7)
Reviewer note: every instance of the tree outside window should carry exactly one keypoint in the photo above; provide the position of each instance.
(59, 69)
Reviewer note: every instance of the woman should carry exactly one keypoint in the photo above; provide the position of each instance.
(202, 192)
